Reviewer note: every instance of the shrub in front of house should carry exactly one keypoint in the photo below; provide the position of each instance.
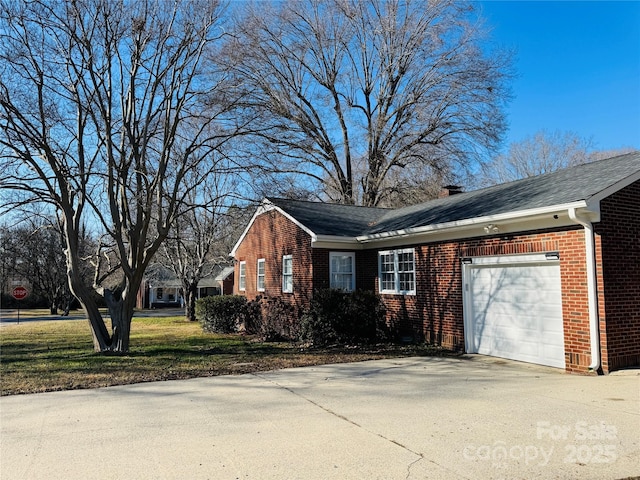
(251, 321)
(272, 319)
(279, 320)
(341, 317)
(221, 313)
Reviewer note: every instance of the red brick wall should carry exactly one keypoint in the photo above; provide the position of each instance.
(619, 288)
(271, 237)
(227, 284)
(435, 313)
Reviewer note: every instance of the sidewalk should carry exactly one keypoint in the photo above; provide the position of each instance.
(13, 316)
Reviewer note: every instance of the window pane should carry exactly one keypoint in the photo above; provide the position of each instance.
(242, 280)
(386, 262)
(341, 275)
(405, 262)
(387, 271)
(387, 281)
(346, 264)
(261, 263)
(407, 283)
(341, 264)
(287, 274)
(287, 284)
(342, 281)
(287, 264)
(397, 271)
(406, 277)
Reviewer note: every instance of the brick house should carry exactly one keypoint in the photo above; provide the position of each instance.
(543, 270)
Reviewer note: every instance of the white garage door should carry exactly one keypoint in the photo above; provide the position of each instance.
(513, 309)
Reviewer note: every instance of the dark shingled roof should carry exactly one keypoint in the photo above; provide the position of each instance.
(331, 219)
(565, 186)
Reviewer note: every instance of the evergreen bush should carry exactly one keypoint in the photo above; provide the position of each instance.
(221, 313)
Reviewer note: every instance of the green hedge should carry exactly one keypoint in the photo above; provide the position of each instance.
(221, 313)
(333, 317)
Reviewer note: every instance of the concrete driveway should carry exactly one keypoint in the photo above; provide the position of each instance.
(417, 418)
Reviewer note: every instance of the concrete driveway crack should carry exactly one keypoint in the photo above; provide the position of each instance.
(420, 455)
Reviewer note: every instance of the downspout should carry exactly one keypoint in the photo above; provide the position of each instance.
(594, 328)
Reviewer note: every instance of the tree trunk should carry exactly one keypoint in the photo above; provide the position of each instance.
(121, 312)
(190, 297)
(101, 338)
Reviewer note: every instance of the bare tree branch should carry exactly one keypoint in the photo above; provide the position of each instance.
(354, 91)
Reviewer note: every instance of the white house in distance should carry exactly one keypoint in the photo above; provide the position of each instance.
(161, 289)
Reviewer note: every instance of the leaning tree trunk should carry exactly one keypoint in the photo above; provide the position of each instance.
(99, 332)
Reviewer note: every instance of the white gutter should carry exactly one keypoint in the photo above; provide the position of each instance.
(470, 222)
(590, 251)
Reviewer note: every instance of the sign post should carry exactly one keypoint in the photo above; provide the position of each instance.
(19, 293)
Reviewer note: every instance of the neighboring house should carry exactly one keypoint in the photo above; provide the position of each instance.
(543, 270)
(225, 280)
(161, 289)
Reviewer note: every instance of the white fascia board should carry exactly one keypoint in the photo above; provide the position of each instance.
(267, 206)
(336, 242)
(510, 222)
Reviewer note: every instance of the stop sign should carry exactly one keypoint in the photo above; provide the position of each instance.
(19, 293)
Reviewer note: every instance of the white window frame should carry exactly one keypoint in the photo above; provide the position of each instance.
(242, 276)
(261, 276)
(352, 255)
(396, 272)
(287, 286)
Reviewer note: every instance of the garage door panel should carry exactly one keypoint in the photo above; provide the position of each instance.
(516, 312)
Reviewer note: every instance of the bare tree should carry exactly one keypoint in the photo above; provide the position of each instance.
(95, 97)
(36, 250)
(542, 152)
(201, 239)
(349, 91)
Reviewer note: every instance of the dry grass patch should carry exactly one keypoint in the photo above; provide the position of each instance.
(58, 355)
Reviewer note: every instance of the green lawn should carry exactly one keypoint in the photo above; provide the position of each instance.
(58, 355)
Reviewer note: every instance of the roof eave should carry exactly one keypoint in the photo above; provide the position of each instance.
(336, 242)
(554, 215)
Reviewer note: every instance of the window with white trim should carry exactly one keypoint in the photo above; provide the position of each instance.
(261, 270)
(397, 271)
(287, 274)
(342, 270)
(242, 276)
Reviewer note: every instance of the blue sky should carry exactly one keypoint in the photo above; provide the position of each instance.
(578, 66)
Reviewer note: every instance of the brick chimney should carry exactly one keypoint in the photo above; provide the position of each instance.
(449, 190)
